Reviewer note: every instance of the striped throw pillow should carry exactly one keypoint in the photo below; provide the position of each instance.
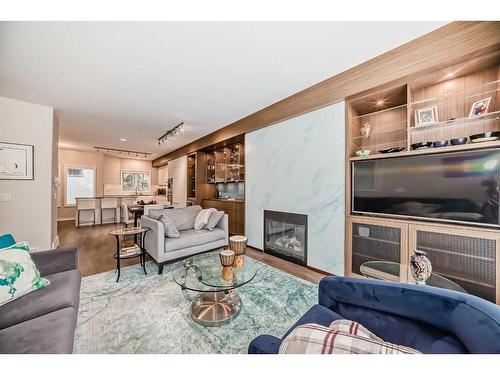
(350, 339)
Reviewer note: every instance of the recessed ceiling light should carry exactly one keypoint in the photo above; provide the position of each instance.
(380, 102)
(449, 75)
(123, 139)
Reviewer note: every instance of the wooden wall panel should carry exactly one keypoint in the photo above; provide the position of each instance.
(443, 47)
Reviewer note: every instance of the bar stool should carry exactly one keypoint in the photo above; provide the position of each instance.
(127, 217)
(85, 205)
(108, 204)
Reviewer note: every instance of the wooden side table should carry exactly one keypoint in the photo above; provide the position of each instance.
(137, 250)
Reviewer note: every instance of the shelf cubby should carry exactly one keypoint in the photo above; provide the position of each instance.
(454, 99)
(385, 112)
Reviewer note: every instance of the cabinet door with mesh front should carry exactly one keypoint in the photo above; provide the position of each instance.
(467, 257)
(373, 239)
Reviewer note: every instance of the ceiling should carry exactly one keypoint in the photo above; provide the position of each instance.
(136, 80)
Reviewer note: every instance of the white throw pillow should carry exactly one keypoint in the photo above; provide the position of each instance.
(202, 218)
(18, 274)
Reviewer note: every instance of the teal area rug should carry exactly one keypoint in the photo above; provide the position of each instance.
(149, 314)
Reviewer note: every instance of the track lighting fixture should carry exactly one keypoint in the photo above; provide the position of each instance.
(177, 130)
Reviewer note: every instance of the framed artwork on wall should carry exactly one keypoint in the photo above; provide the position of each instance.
(426, 116)
(135, 181)
(480, 107)
(16, 161)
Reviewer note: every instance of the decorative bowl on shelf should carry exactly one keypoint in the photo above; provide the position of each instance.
(421, 145)
(442, 143)
(485, 137)
(363, 153)
(458, 141)
(391, 149)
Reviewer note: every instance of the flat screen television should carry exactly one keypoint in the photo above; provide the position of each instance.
(459, 187)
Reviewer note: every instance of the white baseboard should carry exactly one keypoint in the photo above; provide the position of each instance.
(55, 243)
(65, 219)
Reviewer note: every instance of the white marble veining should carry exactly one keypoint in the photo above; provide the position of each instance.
(298, 166)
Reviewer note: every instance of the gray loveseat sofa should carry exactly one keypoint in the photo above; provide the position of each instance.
(44, 321)
(165, 249)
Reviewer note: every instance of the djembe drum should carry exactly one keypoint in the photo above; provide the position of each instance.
(238, 244)
(227, 259)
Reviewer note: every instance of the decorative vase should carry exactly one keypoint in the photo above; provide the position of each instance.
(227, 260)
(239, 245)
(420, 267)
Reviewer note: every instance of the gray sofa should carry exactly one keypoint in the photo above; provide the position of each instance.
(44, 321)
(164, 249)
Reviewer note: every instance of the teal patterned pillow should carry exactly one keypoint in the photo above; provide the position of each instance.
(18, 273)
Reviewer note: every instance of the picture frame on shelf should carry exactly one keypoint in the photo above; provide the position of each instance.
(426, 116)
(16, 161)
(480, 107)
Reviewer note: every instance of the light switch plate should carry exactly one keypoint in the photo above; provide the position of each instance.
(5, 197)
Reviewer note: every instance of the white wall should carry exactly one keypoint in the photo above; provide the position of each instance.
(177, 170)
(162, 175)
(298, 166)
(30, 215)
(54, 186)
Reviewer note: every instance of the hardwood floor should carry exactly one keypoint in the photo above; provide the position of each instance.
(292, 268)
(96, 248)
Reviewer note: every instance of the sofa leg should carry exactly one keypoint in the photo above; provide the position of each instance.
(160, 268)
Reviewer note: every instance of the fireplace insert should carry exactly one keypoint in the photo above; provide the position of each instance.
(285, 236)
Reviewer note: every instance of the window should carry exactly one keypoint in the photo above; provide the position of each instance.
(79, 183)
(136, 181)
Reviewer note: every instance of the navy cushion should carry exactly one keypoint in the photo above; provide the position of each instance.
(429, 319)
(414, 334)
(317, 314)
(264, 344)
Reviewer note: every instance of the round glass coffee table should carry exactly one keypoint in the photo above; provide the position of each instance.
(214, 301)
(383, 270)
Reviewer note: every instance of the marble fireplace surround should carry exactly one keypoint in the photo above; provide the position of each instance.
(298, 166)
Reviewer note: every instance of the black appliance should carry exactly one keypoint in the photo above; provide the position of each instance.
(459, 187)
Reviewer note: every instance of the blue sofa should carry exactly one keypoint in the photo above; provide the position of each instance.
(429, 319)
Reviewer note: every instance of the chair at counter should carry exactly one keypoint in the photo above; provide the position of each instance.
(127, 218)
(85, 205)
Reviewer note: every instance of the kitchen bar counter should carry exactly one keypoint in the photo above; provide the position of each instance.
(123, 196)
(86, 216)
(225, 200)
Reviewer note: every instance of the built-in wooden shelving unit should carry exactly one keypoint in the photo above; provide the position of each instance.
(466, 254)
(226, 164)
(390, 112)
